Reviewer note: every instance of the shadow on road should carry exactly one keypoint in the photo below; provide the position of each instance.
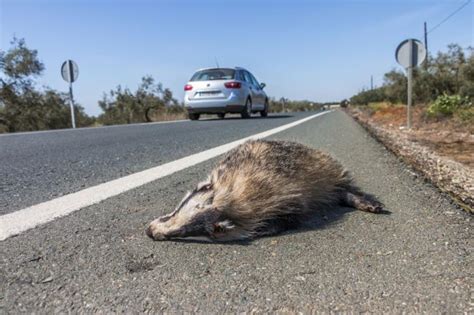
(326, 218)
(320, 220)
(254, 117)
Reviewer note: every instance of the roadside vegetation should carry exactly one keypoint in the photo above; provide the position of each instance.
(283, 105)
(443, 87)
(150, 102)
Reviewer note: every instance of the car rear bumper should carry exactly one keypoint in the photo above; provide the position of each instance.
(216, 109)
(235, 103)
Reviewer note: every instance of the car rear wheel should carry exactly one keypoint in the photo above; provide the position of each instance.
(264, 112)
(193, 116)
(247, 109)
(221, 115)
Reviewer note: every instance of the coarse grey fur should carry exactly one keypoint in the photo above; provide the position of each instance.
(261, 188)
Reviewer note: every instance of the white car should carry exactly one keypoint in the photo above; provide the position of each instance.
(224, 90)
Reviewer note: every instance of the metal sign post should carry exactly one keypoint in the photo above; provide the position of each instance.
(71, 103)
(409, 95)
(409, 81)
(410, 54)
(70, 72)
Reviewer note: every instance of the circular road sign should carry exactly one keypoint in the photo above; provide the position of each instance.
(69, 71)
(410, 53)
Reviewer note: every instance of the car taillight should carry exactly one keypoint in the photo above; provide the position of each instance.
(232, 85)
(188, 87)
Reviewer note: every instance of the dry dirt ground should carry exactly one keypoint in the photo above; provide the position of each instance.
(447, 137)
(442, 150)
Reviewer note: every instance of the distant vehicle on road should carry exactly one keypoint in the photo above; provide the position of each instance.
(224, 90)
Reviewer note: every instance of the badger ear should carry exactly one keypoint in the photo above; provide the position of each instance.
(223, 227)
(205, 185)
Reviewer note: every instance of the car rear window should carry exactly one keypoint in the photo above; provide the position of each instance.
(213, 74)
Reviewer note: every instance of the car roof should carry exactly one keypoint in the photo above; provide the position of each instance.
(216, 68)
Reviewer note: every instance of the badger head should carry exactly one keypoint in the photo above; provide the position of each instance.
(195, 215)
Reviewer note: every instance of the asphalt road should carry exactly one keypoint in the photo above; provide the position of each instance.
(40, 166)
(416, 259)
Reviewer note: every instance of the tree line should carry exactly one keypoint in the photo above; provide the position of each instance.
(150, 102)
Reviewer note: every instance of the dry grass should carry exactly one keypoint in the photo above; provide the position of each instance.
(169, 116)
(449, 136)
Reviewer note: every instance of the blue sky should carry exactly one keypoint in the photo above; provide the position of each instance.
(316, 50)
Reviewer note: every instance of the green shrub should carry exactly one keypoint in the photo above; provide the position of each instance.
(369, 96)
(447, 105)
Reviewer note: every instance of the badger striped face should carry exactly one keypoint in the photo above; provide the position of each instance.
(194, 216)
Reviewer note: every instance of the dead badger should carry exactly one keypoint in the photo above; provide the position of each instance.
(262, 188)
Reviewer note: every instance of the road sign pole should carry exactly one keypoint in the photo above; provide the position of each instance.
(411, 64)
(71, 102)
(70, 72)
(410, 54)
(409, 95)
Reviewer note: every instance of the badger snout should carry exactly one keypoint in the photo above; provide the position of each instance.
(158, 231)
(154, 235)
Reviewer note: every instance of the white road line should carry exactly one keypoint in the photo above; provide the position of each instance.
(22, 220)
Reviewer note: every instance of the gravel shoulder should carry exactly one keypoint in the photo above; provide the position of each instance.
(417, 259)
(452, 177)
